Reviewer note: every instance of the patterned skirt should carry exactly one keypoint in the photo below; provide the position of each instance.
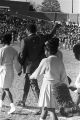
(63, 96)
(54, 95)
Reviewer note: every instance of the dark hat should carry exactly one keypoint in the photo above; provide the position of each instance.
(53, 41)
(52, 45)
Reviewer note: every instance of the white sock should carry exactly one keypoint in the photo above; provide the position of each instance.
(41, 119)
(1, 103)
(12, 108)
(12, 105)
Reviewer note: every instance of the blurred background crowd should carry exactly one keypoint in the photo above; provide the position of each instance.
(69, 32)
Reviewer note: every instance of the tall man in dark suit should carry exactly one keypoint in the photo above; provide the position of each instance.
(32, 51)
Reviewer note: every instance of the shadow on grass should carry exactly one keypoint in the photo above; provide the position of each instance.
(19, 113)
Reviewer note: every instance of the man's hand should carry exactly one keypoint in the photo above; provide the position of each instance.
(72, 88)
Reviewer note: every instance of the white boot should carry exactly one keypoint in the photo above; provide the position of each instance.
(1, 104)
(41, 119)
(12, 109)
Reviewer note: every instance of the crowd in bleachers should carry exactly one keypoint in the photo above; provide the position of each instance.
(69, 34)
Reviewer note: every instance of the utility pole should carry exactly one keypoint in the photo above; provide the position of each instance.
(72, 6)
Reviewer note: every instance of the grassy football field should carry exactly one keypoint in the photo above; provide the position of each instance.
(72, 67)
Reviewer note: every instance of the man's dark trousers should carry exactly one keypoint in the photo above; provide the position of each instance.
(34, 86)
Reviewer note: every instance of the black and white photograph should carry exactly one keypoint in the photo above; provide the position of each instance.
(39, 59)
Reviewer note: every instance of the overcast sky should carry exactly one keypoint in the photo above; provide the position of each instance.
(66, 5)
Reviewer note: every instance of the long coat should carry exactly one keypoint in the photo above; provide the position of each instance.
(32, 51)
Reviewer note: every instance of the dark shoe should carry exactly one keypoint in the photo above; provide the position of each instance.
(66, 112)
(21, 103)
(38, 112)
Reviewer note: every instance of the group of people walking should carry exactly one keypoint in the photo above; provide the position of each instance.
(39, 55)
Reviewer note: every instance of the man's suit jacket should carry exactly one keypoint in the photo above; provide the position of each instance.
(32, 52)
